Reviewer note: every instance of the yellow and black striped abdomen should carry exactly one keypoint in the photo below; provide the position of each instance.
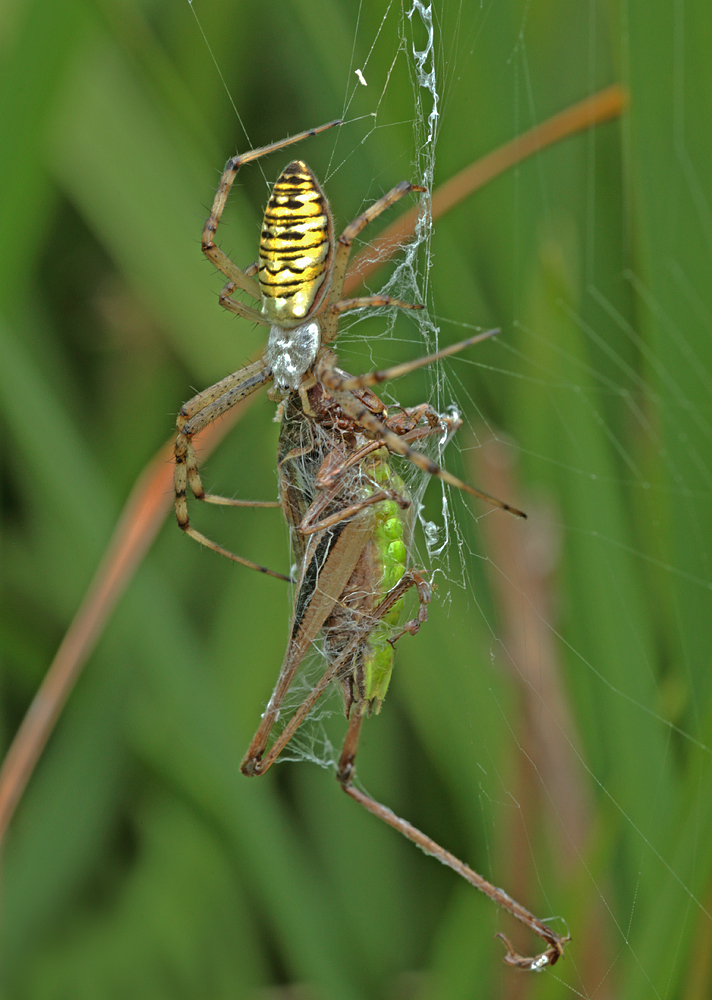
(295, 247)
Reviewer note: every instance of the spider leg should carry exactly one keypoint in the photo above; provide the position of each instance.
(213, 252)
(247, 312)
(254, 763)
(369, 302)
(196, 414)
(386, 374)
(343, 249)
(345, 775)
(334, 383)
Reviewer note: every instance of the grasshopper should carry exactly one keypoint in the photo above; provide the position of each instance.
(350, 515)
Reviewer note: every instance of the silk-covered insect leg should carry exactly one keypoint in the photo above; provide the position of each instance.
(254, 763)
(343, 249)
(195, 415)
(307, 528)
(213, 252)
(345, 776)
(202, 410)
(336, 558)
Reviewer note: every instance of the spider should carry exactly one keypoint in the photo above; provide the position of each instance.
(301, 273)
(348, 511)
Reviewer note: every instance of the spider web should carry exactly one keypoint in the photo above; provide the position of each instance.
(409, 282)
(576, 367)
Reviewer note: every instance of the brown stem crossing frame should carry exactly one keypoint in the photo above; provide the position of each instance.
(151, 498)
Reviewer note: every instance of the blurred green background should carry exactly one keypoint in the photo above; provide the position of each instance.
(552, 723)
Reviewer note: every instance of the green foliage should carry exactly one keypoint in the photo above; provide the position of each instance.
(556, 738)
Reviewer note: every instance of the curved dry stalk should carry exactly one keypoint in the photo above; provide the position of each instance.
(151, 497)
(601, 107)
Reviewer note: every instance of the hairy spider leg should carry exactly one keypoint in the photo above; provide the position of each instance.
(341, 260)
(196, 414)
